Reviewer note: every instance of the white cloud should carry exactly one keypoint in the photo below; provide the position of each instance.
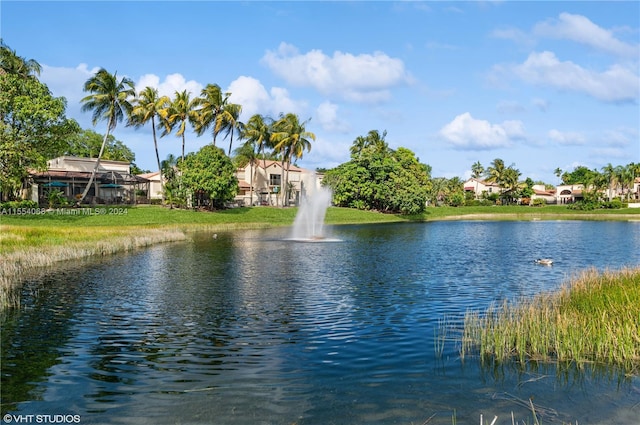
(466, 132)
(566, 137)
(255, 99)
(172, 83)
(67, 82)
(327, 114)
(616, 84)
(580, 29)
(365, 78)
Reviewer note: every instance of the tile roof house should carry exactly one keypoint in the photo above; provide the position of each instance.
(266, 179)
(481, 187)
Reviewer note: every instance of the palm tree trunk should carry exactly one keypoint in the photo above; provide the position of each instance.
(95, 168)
(155, 143)
(251, 184)
(282, 183)
(230, 143)
(183, 146)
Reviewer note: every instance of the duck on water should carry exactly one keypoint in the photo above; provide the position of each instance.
(544, 261)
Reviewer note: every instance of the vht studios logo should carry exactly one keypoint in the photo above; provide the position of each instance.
(41, 419)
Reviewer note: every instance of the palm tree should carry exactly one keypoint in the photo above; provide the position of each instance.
(373, 140)
(257, 133)
(182, 110)
(227, 121)
(626, 176)
(247, 154)
(210, 103)
(172, 189)
(290, 138)
(610, 173)
(11, 63)
(495, 172)
(477, 170)
(148, 105)
(109, 99)
(510, 180)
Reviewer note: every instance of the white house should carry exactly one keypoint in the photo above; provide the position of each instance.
(541, 192)
(569, 193)
(481, 188)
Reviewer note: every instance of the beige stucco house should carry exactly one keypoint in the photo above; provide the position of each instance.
(155, 185)
(266, 179)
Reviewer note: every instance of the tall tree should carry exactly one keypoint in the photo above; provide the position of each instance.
(227, 121)
(510, 180)
(609, 173)
(373, 140)
(87, 144)
(182, 111)
(11, 63)
(477, 170)
(172, 190)
(110, 100)
(290, 138)
(149, 105)
(211, 173)
(33, 129)
(626, 177)
(256, 133)
(495, 172)
(382, 179)
(210, 105)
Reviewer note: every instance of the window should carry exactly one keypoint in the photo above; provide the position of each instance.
(274, 180)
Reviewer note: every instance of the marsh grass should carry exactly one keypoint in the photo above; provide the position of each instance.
(594, 317)
(28, 248)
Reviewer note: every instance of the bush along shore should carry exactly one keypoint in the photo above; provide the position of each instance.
(593, 318)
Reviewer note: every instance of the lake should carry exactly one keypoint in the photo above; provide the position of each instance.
(251, 328)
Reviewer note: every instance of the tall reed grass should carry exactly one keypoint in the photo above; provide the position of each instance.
(28, 248)
(594, 317)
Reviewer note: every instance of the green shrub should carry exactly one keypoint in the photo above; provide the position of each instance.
(614, 204)
(9, 205)
(538, 202)
(584, 206)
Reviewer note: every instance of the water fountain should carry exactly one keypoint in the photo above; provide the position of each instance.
(309, 223)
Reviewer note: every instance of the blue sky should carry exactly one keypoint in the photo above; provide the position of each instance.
(539, 84)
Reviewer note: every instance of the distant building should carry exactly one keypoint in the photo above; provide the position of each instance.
(481, 188)
(541, 192)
